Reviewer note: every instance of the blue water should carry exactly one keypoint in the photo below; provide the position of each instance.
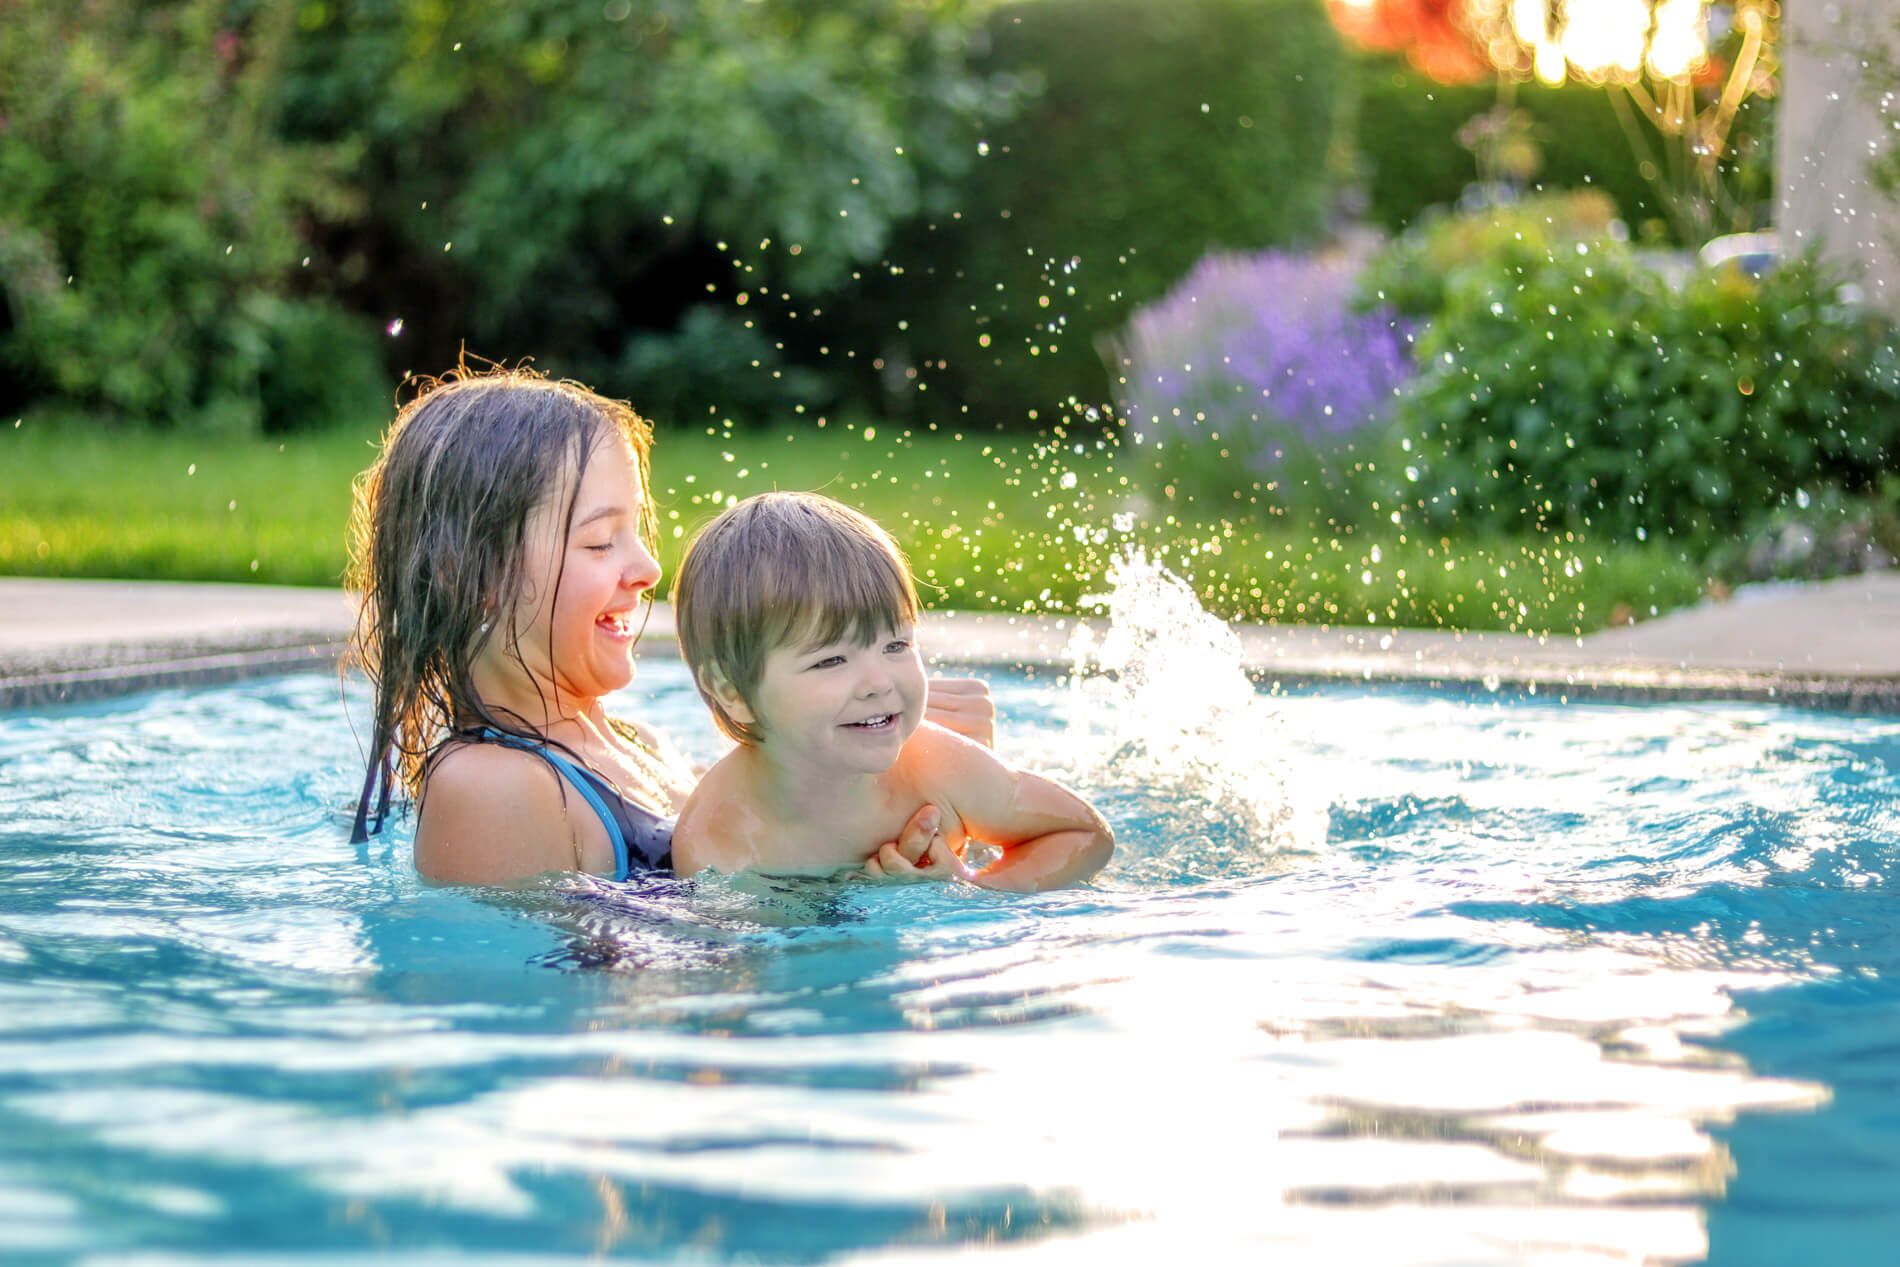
(1515, 981)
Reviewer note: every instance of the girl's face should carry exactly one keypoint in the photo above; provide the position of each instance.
(577, 623)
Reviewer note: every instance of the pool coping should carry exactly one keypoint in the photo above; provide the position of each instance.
(1831, 645)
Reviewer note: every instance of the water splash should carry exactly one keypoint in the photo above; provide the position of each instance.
(1166, 717)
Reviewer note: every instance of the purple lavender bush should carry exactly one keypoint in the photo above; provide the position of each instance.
(1256, 379)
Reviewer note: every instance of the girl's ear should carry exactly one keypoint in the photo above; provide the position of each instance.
(715, 683)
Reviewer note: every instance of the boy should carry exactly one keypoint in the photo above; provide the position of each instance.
(795, 616)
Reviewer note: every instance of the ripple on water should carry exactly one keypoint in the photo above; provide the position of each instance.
(1383, 975)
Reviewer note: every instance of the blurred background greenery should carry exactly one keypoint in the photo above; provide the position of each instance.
(236, 228)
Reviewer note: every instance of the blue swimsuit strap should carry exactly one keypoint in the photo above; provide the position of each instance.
(583, 784)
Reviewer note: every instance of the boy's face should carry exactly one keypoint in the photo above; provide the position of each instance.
(845, 706)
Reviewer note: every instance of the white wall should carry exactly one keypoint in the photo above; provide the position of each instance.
(1828, 125)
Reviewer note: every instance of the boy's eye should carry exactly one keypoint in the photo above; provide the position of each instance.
(829, 661)
(897, 646)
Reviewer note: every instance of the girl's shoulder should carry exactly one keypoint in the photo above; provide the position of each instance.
(638, 732)
(491, 813)
(469, 764)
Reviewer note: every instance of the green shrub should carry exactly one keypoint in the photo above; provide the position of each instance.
(150, 216)
(714, 357)
(323, 368)
(1583, 391)
(1152, 133)
(572, 182)
(1413, 273)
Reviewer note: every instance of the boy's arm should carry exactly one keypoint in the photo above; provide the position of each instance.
(962, 704)
(1050, 837)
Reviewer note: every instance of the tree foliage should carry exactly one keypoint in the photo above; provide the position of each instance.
(150, 230)
(1149, 135)
(571, 181)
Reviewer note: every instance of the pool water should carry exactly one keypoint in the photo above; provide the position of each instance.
(1378, 975)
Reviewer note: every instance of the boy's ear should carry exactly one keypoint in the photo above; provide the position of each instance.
(716, 684)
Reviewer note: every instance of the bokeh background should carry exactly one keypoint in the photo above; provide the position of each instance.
(1347, 304)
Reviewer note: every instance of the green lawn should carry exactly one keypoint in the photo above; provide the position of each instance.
(988, 522)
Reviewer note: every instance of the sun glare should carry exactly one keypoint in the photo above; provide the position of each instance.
(1677, 47)
(1599, 40)
(1604, 40)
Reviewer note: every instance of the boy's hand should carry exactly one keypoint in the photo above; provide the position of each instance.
(919, 853)
(938, 863)
(913, 842)
(962, 704)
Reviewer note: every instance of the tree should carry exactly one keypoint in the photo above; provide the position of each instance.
(150, 229)
(571, 181)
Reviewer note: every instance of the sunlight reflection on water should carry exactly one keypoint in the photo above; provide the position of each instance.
(1376, 972)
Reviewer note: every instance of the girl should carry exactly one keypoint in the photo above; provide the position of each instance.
(503, 548)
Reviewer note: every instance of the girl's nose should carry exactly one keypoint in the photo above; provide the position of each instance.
(642, 571)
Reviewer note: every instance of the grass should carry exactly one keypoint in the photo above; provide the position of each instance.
(989, 522)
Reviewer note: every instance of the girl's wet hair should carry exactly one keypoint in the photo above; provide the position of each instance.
(784, 569)
(437, 538)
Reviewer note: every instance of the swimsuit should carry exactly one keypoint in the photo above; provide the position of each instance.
(642, 839)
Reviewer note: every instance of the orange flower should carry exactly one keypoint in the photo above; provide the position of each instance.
(1433, 34)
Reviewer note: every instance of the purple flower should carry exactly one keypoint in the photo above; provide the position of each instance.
(1262, 350)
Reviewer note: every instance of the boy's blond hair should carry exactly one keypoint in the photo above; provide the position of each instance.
(779, 569)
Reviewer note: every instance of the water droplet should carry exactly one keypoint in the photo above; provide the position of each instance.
(394, 328)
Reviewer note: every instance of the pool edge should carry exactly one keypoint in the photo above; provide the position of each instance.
(1824, 646)
(38, 689)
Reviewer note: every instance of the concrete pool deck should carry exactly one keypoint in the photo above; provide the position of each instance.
(1831, 644)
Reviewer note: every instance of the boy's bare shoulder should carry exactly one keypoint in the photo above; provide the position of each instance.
(716, 822)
